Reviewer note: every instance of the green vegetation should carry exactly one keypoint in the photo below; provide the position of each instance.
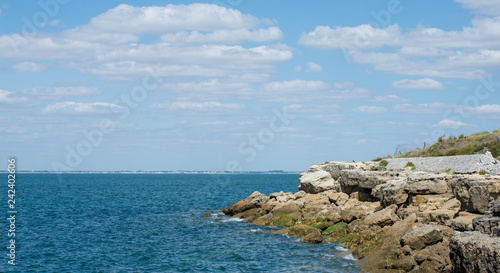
(482, 172)
(410, 165)
(383, 163)
(337, 227)
(461, 145)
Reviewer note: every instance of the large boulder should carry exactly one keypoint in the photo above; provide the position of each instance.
(363, 179)
(473, 195)
(385, 217)
(306, 233)
(427, 183)
(474, 252)
(391, 192)
(422, 236)
(255, 200)
(317, 181)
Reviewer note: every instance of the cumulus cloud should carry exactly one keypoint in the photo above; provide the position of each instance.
(426, 108)
(225, 36)
(489, 7)
(370, 109)
(210, 107)
(389, 98)
(313, 68)
(51, 92)
(342, 85)
(450, 124)
(360, 37)
(28, 67)
(71, 107)
(488, 109)
(7, 97)
(427, 83)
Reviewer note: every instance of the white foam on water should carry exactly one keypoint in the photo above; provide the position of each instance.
(233, 220)
(350, 257)
(341, 248)
(256, 230)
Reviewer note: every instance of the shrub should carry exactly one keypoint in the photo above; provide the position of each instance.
(482, 172)
(383, 163)
(410, 164)
(440, 139)
(377, 159)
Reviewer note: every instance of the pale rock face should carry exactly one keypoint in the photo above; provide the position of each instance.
(317, 181)
(427, 183)
(385, 217)
(422, 236)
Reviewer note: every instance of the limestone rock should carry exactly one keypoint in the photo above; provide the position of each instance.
(474, 252)
(473, 195)
(422, 236)
(339, 198)
(363, 179)
(391, 192)
(255, 200)
(464, 221)
(385, 217)
(306, 233)
(426, 183)
(317, 181)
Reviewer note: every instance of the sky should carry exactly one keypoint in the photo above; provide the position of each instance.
(240, 85)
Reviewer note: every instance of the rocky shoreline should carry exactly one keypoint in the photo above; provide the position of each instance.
(400, 220)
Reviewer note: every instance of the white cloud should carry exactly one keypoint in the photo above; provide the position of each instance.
(427, 84)
(350, 134)
(450, 124)
(225, 36)
(360, 37)
(298, 68)
(71, 107)
(343, 85)
(210, 89)
(296, 85)
(10, 97)
(389, 98)
(313, 68)
(215, 123)
(51, 92)
(432, 108)
(349, 94)
(54, 23)
(194, 107)
(489, 7)
(28, 67)
(171, 18)
(370, 109)
(488, 109)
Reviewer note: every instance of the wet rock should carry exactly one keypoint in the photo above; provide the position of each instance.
(255, 200)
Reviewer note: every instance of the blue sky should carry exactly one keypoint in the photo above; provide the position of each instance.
(240, 84)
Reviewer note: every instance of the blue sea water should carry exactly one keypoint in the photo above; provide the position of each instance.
(153, 223)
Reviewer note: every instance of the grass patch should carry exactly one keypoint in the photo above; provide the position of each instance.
(482, 172)
(335, 228)
(383, 163)
(410, 165)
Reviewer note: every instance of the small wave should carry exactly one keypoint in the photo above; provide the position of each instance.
(349, 257)
(256, 230)
(233, 220)
(341, 248)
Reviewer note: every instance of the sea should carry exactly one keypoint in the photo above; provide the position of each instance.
(152, 223)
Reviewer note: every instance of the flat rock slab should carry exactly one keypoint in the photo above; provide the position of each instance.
(459, 163)
(473, 251)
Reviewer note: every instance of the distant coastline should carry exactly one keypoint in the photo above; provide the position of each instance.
(160, 172)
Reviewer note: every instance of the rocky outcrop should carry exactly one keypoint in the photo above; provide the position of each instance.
(474, 252)
(391, 220)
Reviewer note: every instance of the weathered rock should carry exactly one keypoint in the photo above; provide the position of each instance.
(363, 179)
(427, 183)
(385, 217)
(286, 208)
(473, 195)
(317, 181)
(487, 224)
(335, 168)
(339, 198)
(459, 164)
(306, 233)
(464, 221)
(474, 252)
(346, 216)
(255, 200)
(391, 192)
(422, 236)
(266, 220)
